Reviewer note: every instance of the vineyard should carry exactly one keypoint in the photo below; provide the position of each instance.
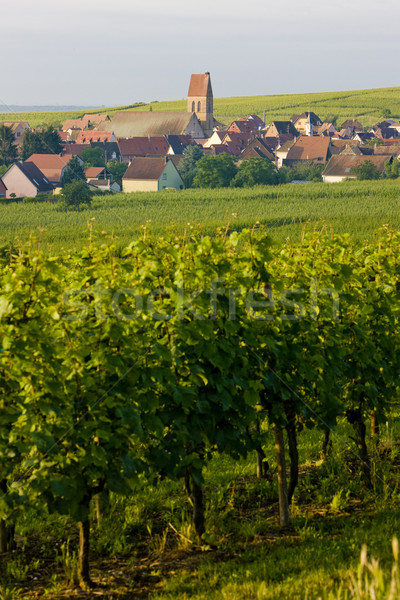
(359, 208)
(365, 105)
(200, 416)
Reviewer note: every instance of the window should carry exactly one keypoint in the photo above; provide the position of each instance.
(164, 176)
(193, 106)
(199, 107)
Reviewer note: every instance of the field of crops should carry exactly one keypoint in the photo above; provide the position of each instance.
(202, 418)
(359, 208)
(365, 105)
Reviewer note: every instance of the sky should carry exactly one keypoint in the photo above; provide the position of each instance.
(110, 53)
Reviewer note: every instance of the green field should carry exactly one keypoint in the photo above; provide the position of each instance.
(364, 105)
(359, 208)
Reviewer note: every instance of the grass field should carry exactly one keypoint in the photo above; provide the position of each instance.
(358, 208)
(364, 105)
(145, 547)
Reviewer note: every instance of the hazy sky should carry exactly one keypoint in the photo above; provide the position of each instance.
(98, 52)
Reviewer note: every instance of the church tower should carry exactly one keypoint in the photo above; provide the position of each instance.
(200, 101)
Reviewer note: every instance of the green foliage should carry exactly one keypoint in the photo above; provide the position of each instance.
(366, 171)
(255, 171)
(73, 172)
(187, 167)
(122, 371)
(215, 171)
(302, 171)
(117, 169)
(375, 141)
(356, 207)
(392, 169)
(74, 195)
(8, 149)
(45, 141)
(3, 169)
(93, 157)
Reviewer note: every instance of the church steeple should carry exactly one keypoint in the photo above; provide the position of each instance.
(200, 101)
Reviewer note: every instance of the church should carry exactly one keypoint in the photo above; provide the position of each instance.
(197, 121)
(200, 101)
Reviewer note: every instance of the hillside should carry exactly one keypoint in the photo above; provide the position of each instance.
(365, 105)
(359, 208)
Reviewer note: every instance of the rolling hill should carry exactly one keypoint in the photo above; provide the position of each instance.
(365, 105)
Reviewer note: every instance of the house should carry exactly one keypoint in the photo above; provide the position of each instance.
(282, 151)
(89, 136)
(73, 149)
(363, 137)
(104, 185)
(257, 120)
(341, 167)
(146, 174)
(309, 148)
(354, 125)
(258, 149)
(97, 173)
(52, 165)
(71, 124)
(387, 133)
(200, 102)
(326, 129)
(85, 122)
(278, 128)
(216, 149)
(92, 119)
(178, 143)
(17, 127)
(244, 126)
(237, 142)
(277, 142)
(306, 122)
(3, 189)
(386, 150)
(142, 146)
(128, 124)
(25, 179)
(216, 138)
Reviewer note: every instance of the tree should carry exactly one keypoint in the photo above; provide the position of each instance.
(73, 172)
(215, 171)
(375, 141)
(255, 171)
(302, 171)
(75, 194)
(8, 150)
(93, 157)
(392, 169)
(117, 170)
(46, 141)
(366, 171)
(187, 168)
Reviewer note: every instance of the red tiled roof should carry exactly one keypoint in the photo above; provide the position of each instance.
(143, 146)
(51, 165)
(73, 149)
(85, 137)
(93, 172)
(199, 85)
(342, 165)
(309, 148)
(145, 168)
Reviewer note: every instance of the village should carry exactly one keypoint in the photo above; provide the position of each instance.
(145, 150)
